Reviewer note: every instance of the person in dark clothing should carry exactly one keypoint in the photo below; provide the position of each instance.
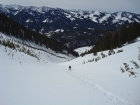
(69, 67)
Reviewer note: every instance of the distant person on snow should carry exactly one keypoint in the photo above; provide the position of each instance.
(69, 67)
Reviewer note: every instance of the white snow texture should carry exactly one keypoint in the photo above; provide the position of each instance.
(24, 80)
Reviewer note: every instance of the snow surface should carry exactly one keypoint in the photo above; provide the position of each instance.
(93, 18)
(83, 49)
(47, 20)
(28, 20)
(120, 17)
(59, 30)
(105, 18)
(26, 81)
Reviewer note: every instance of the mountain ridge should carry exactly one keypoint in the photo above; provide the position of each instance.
(68, 26)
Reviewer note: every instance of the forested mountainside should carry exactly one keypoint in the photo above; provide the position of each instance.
(74, 28)
(12, 28)
(118, 38)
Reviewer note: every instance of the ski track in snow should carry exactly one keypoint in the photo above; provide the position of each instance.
(14, 57)
(110, 96)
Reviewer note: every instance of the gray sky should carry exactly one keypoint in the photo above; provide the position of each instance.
(100, 5)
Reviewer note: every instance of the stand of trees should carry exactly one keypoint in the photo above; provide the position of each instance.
(12, 28)
(117, 38)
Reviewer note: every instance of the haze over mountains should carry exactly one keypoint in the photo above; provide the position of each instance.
(74, 28)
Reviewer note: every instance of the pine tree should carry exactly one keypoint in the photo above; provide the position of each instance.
(107, 42)
(123, 32)
(115, 40)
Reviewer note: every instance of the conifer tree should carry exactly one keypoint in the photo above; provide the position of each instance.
(123, 32)
(115, 40)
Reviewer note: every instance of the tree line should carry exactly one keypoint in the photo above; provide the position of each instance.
(12, 28)
(117, 38)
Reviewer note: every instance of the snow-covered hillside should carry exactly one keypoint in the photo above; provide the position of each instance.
(24, 80)
(83, 49)
(31, 49)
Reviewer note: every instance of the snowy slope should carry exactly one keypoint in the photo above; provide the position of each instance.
(108, 83)
(33, 50)
(26, 81)
(83, 49)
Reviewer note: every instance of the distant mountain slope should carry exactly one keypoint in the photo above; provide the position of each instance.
(14, 29)
(116, 39)
(75, 28)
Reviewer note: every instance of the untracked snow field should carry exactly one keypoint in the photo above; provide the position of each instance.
(26, 81)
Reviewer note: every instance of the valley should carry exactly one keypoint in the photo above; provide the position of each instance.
(26, 80)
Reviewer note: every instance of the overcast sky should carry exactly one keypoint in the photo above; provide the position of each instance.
(100, 5)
